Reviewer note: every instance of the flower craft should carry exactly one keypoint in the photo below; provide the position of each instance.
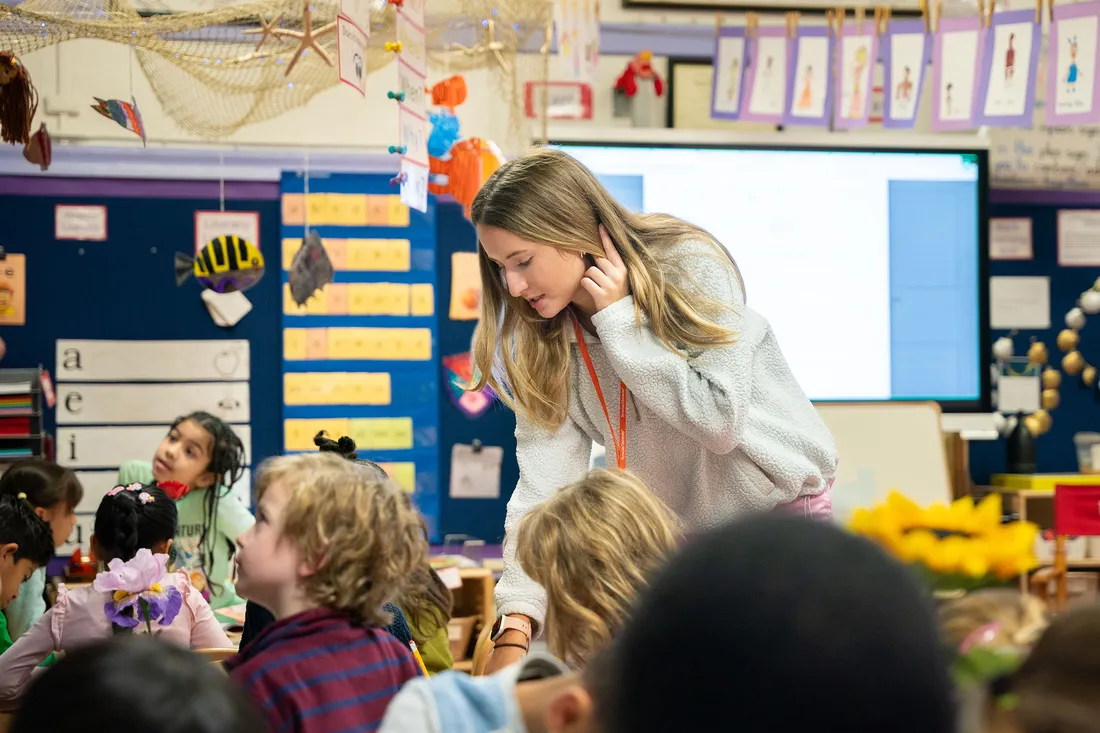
(137, 594)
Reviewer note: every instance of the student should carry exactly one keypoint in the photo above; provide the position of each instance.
(775, 624)
(129, 519)
(429, 605)
(54, 492)
(631, 331)
(137, 685)
(593, 546)
(330, 547)
(203, 454)
(26, 544)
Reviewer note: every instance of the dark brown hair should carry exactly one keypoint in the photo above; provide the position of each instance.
(18, 100)
(45, 483)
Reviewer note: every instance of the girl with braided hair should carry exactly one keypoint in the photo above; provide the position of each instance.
(201, 457)
(129, 519)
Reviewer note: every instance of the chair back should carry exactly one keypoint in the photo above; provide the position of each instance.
(1077, 511)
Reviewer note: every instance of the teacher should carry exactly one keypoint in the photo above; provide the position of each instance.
(629, 330)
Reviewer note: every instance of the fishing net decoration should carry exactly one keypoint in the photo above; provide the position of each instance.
(216, 70)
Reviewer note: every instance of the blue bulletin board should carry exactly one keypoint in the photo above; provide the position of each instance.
(360, 358)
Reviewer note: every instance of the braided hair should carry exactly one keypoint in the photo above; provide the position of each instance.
(429, 602)
(132, 518)
(227, 463)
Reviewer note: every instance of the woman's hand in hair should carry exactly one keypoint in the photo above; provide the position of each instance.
(607, 280)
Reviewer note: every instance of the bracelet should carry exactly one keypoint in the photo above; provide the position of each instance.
(524, 647)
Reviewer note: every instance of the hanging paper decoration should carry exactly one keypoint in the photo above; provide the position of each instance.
(125, 114)
(638, 91)
(39, 149)
(310, 270)
(225, 264)
(765, 92)
(857, 52)
(729, 72)
(445, 133)
(411, 51)
(1073, 85)
(459, 371)
(956, 63)
(905, 53)
(1006, 97)
(449, 93)
(18, 100)
(469, 165)
(810, 87)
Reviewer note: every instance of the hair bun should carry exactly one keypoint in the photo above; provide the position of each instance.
(346, 444)
(322, 441)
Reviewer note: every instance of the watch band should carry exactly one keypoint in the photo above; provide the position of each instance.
(506, 623)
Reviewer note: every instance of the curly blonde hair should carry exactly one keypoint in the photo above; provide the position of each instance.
(550, 198)
(360, 532)
(593, 546)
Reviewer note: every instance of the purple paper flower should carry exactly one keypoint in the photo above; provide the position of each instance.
(136, 592)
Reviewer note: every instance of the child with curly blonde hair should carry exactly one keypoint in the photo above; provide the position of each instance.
(593, 546)
(330, 548)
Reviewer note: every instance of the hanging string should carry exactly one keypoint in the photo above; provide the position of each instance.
(305, 198)
(221, 176)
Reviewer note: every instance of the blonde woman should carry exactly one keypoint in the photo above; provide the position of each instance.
(629, 330)
(593, 546)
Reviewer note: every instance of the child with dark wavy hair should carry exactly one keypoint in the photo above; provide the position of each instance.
(54, 492)
(134, 519)
(25, 545)
(206, 458)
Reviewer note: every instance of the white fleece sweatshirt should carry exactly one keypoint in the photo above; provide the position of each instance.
(715, 437)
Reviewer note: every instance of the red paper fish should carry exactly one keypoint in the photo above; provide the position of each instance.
(124, 113)
(470, 164)
(39, 149)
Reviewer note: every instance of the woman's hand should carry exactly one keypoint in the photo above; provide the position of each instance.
(607, 281)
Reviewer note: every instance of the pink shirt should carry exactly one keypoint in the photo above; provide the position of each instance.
(78, 619)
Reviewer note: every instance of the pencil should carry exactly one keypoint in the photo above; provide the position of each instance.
(419, 659)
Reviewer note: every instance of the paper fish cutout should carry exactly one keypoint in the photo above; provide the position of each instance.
(310, 270)
(444, 135)
(225, 264)
(125, 114)
(39, 149)
(471, 163)
(449, 93)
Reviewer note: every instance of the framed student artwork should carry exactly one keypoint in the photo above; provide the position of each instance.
(765, 90)
(956, 59)
(1006, 95)
(729, 72)
(1073, 81)
(810, 85)
(905, 51)
(857, 54)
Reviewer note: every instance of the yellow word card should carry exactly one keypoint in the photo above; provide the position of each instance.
(422, 298)
(380, 344)
(382, 433)
(402, 474)
(336, 388)
(294, 344)
(298, 434)
(377, 255)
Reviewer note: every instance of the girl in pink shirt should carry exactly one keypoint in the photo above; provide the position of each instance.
(129, 519)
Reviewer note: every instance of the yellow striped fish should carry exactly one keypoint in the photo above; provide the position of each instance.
(225, 264)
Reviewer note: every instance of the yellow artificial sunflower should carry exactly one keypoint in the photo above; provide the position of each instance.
(960, 545)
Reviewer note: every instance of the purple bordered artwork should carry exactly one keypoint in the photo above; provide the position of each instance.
(810, 86)
(1010, 61)
(905, 55)
(729, 73)
(764, 94)
(956, 60)
(857, 54)
(1073, 81)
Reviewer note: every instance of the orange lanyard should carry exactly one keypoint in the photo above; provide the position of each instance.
(619, 441)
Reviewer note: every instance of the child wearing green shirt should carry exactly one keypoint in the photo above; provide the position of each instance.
(26, 544)
(202, 453)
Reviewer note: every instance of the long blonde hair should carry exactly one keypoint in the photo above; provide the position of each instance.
(593, 546)
(550, 198)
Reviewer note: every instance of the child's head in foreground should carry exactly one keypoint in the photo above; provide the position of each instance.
(993, 617)
(593, 546)
(776, 624)
(1057, 689)
(136, 684)
(328, 535)
(52, 490)
(26, 544)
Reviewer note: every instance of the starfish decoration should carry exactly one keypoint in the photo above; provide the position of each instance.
(490, 46)
(307, 37)
(267, 29)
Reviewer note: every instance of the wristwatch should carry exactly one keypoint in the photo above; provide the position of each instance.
(505, 623)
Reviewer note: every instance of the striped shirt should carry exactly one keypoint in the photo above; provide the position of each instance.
(320, 672)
